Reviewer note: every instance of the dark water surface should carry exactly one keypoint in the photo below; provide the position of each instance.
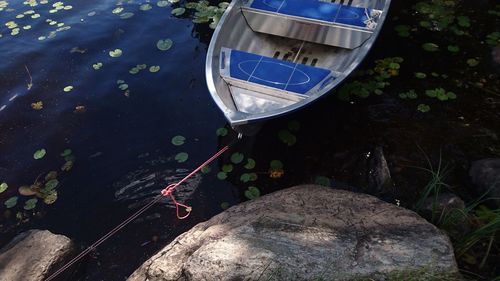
(121, 140)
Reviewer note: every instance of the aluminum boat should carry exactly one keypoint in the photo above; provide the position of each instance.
(270, 57)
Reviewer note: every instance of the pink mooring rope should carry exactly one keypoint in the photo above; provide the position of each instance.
(166, 192)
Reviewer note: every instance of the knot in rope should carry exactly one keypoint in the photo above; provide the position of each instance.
(168, 192)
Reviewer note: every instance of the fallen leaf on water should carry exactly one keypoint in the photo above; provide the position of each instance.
(37, 105)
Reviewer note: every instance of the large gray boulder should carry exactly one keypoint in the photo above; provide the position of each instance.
(485, 175)
(304, 233)
(33, 255)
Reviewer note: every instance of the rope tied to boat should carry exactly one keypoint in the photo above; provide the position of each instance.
(371, 22)
(165, 193)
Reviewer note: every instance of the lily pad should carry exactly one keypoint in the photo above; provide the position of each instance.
(162, 4)
(276, 164)
(237, 157)
(134, 70)
(164, 45)
(50, 198)
(322, 180)
(430, 47)
(472, 62)
(68, 89)
(3, 187)
(250, 164)
(222, 175)
(252, 192)
(453, 48)
(178, 11)
(66, 152)
(154, 68)
(420, 75)
(51, 175)
(246, 177)
(26, 190)
(115, 53)
(51, 184)
(205, 170)
(178, 140)
(227, 168)
(221, 132)
(126, 15)
(30, 204)
(123, 87)
(286, 137)
(423, 108)
(181, 157)
(97, 66)
(11, 202)
(224, 205)
(117, 10)
(39, 154)
(145, 7)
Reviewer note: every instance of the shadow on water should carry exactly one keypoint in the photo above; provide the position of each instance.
(121, 138)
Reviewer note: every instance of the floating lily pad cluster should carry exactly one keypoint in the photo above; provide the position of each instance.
(439, 15)
(123, 86)
(206, 13)
(373, 80)
(180, 157)
(287, 135)
(43, 188)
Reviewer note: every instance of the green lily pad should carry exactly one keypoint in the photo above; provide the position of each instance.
(227, 168)
(221, 132)
(322, 180)
(420, 75)
(224, 205)
(164, 45)
(123, 87)
(237, 157)
(117, 10)
(178, 11)
(430, 47)
(451, 95)
(252, 192)
(134, 70)
(246, 177)
(453, 48)
(250, 164)
(276, 165)
(286, 137)
(97, 66)
(51, 175)
(181, 157)
(162, 4)
(39, 154)
(205, 170)
(51, 184)
(141, 66)
(68, 89)
(222, 175)
(66, 152)
(11, 202)
(154, 68)
(119, 82)
(115, 53)
(145, 7)
(126, 15)
(3, 187)
(463, 21)
(178, 140)
(423, 108)
(30, 204)
(472, 62)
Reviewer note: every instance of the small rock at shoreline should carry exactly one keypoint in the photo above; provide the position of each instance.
(485, 175)
(33, 255)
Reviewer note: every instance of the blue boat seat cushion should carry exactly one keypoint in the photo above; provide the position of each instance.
(275, 73)
(316, 10)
